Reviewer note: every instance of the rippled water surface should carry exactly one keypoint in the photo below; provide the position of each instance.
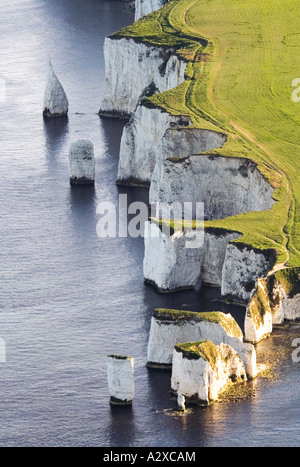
(67, 298)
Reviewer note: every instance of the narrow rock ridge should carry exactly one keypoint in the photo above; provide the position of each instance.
(144, 7)
(130, 67)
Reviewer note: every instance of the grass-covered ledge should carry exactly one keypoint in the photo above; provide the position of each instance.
(225, 320)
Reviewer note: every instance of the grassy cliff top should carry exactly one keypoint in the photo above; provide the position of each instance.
(196, 350)
(243, 56)
(225, 320)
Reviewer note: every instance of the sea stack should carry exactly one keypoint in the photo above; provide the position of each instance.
(56, 103)
(120, 376)
(181, 403)
(202, 371)
(82, 163)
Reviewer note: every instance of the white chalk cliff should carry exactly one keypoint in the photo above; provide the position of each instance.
(120, 377)
(130, 68)
(227, 186)
(168, 328)
(141, 143)
(201, 378)
(56, 103)
(144, 7)
(177, 261)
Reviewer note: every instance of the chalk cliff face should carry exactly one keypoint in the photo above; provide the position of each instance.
(141, 143)
(167, 330)
(120, 377)
(227, 186)
(175, 262)
(144, 7)
(202, 380)
(152, 136)
(242, 268)
(130, 67)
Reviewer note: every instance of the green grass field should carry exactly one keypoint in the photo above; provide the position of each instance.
(243, 57)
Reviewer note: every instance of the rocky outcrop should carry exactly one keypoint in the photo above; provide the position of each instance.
(258, 320)
(227, 186)
(170, 327)
(144, 7)
(202, 371)
(56, 103)
(291, 308)
(82, 163)
(120, 377)
(130, 68)
(178, 261)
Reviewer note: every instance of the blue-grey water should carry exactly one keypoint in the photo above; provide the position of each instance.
(68, 298)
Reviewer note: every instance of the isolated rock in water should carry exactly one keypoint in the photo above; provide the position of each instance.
(56, 103)
(120, 377)
(82, 163)
(181, 402)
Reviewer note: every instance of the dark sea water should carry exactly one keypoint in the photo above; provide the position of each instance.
(68, 298)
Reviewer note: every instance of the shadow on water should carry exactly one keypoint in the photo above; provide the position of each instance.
(112, 130)
(204, 300)
(122, 427)
(83, 204)
(56, 131)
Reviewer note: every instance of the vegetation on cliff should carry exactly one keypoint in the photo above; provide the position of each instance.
(242, 59)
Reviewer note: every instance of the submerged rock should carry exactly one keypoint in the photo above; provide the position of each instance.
(120, 377)
(56, 103)
(82, 163)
